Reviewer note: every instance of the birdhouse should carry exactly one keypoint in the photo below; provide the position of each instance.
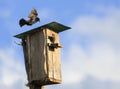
(42, 53)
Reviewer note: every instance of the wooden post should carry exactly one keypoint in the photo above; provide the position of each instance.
(36, 87)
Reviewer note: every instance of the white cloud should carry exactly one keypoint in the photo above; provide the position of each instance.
(101, 57)
(106, 25)
(101, 62)
(12, 70)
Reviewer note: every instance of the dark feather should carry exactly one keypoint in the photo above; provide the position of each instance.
(22, 22)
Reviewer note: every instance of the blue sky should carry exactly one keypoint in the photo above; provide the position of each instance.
(90, 57)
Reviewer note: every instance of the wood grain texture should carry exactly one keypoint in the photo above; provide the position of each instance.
(42, 64)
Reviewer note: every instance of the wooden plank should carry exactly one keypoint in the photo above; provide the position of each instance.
(37, 56)
(54, 59)
(29, 59)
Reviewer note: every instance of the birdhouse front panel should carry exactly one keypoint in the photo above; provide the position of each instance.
(53, 56)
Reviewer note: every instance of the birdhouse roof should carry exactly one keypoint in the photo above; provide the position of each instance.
(54, 26)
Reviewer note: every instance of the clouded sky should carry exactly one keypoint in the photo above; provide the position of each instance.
(90, 57)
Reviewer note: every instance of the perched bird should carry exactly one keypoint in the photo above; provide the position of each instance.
(32, 18)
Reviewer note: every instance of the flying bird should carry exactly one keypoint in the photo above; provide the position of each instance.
(33, 18)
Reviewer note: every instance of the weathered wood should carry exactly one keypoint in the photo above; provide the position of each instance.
(37, 56)
(54, 58)
(42, 61)
(36, 87)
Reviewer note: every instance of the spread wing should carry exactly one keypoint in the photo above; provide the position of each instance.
(33, 14)
(22, 22)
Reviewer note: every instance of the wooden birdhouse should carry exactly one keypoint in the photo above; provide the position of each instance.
(42, 53)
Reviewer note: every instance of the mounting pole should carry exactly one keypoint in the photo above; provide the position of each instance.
(36, 87)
